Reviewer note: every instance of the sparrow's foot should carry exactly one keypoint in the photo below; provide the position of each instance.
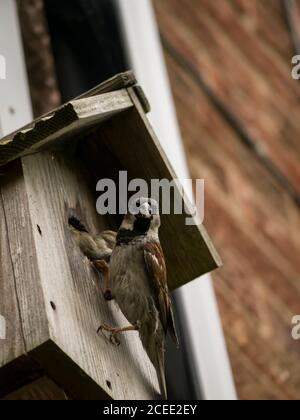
(102, 267)
(115, 331)
(112, 336)
(114, 339)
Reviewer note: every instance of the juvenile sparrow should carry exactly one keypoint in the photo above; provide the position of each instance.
(138, 280)
(97, 248)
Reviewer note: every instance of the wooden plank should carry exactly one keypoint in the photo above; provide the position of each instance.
(22, 251)
(68, 375)
(41, 389)
(13, 345)
(120, 81)
(17, 297)
(66, 121)
(74, 303)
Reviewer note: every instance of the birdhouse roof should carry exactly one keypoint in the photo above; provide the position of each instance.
(189, 250)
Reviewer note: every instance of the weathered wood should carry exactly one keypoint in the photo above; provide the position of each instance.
(70, 119)
(70, 283)
(22, 250)
(58, 293)
(13, 346)
(41, 389)
(16, 295)
(120, 81)
(142, 98)
(49, 270)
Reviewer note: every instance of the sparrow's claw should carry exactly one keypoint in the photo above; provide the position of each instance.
(114, 331)
(112, 336)
(100, 329)
(114, 339)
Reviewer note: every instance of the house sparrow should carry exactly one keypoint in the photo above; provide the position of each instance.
(138, 280)
(97, 248)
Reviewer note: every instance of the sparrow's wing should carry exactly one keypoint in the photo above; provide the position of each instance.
(156, 267)
(110, 238)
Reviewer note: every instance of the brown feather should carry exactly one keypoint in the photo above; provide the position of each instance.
(156, 267)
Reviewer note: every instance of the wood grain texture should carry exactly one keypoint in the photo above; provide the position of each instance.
(13, 346)
(67, 121)
(55, 188)
(237, 53)
(117, 82)
(41, 389)
(22, 250)
(57, 293)
(21, 301)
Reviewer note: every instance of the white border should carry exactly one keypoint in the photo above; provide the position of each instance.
(213, 376)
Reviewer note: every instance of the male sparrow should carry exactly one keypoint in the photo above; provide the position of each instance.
(138, 281)
(97, 248)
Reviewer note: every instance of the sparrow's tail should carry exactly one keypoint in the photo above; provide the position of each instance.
(160, 371)
(156, 353)
(77, 224)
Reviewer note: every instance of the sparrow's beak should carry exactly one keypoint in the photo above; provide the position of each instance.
(141, 216)
(144, 212)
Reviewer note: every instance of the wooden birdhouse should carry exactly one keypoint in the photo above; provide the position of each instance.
(51, 302)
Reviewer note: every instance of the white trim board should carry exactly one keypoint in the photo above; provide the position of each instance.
(213, 376)
(15, 104)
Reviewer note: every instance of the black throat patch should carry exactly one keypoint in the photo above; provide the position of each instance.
(140, 229)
